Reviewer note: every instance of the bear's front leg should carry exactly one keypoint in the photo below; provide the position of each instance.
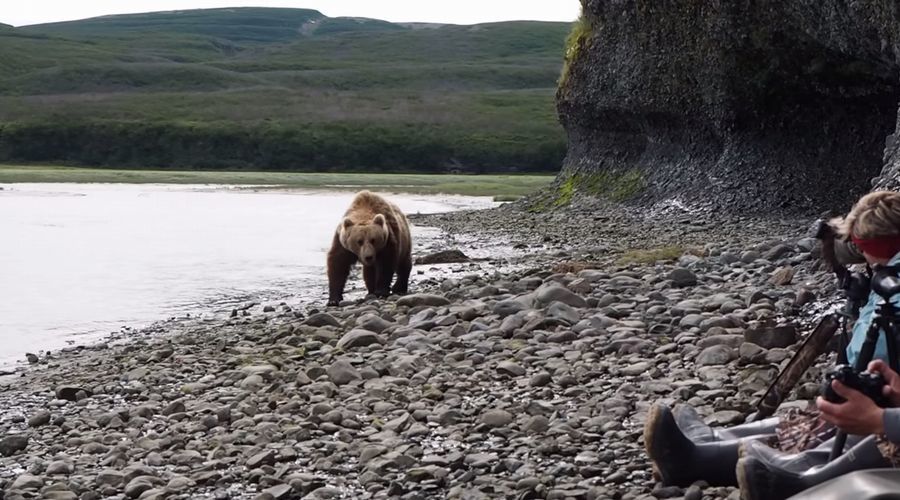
(340, 260)
(369, 278)
(401, 286)
(384, 274)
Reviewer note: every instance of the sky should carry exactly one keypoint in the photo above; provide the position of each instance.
(20, 13)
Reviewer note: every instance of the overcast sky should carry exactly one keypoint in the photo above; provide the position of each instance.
(19, 13)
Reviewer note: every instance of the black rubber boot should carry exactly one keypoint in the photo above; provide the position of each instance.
(679, 461)
(760, 479)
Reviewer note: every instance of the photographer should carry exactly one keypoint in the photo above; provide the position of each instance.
(683, 449)
(874, 228)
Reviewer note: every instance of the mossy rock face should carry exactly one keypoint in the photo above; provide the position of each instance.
(618, 186)
(577, 39)
(770, 106)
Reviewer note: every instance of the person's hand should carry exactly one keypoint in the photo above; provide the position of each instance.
(891, 378)
(859, 415)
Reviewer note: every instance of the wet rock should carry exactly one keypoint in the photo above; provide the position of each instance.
(682, 277)
(12, 444)
(342, 372)
(27, 482)
(423, 299)
(782, 276)
(497, 418)
(72, 393)
(553, 292)
(769, 337)
(40, 418)
(358, 338)
(716, 355)
(443, 257)
(322, 319)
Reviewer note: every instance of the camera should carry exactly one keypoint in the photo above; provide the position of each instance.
(870, 384)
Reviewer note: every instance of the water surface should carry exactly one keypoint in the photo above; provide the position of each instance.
(78, 261)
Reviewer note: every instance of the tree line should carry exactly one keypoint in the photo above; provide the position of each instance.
(277, 147)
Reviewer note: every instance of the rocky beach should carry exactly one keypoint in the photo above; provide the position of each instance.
(522, 376)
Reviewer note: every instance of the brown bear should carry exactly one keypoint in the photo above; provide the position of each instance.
(376, 233)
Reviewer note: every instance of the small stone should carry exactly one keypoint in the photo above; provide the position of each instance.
(174, 407)
(137, 486)
(537, 424)
(682, 277)
(262, 458)
(782, 276)
(27, 482)
(553, 292)
(769, 337)
(279, 491)
(342, 372)
(322, 319)
(59, 467)
(423, 299)
(511, 368)
(540, 379)
(12, 444)
(443, 257)
(358, 338)
(70, 393)
(496, 418)
(716, 355)
(40, 418)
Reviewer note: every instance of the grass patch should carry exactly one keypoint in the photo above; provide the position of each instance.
(503, 186)
(616, 186)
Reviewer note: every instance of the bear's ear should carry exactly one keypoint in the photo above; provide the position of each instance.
(380, 220)
(348, 223)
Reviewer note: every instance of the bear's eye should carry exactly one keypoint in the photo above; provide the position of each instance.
(360, 242)
(372, 241)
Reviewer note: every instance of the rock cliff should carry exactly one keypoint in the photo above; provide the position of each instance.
(748, 105)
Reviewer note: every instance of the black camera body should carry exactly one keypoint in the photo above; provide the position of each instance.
(870, 384)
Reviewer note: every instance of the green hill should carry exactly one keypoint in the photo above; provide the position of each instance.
(286, 89)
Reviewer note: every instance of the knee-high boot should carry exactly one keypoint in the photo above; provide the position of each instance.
(679, 460)
(762, 479)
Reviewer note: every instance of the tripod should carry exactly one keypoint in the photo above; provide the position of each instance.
(886, 284)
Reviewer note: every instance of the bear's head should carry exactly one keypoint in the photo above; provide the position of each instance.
(365, 239)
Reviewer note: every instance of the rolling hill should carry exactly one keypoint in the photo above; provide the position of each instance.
(286, 89)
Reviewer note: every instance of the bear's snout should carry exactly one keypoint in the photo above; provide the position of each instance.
(369, 259)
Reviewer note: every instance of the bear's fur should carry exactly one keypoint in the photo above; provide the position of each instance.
(376, 233)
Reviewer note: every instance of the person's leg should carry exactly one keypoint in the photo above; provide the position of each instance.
(760, 479)
(693, 426)
(795, 462)
(680, 460)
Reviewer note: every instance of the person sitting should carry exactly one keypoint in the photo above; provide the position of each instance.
(684, 450)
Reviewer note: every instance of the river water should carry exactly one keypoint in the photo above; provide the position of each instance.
(78, 261)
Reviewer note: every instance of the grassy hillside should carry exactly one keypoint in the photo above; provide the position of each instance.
(223, 88)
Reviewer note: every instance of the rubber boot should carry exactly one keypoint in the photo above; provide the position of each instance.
(793, 462)
(679, 461)
(762, 480)
(693, 426)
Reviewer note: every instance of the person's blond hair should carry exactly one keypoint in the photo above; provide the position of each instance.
(875, 215)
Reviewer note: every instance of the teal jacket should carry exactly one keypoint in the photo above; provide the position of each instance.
(866, 315)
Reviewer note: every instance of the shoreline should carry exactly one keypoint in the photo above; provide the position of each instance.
(492, 384)
(498, 185)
